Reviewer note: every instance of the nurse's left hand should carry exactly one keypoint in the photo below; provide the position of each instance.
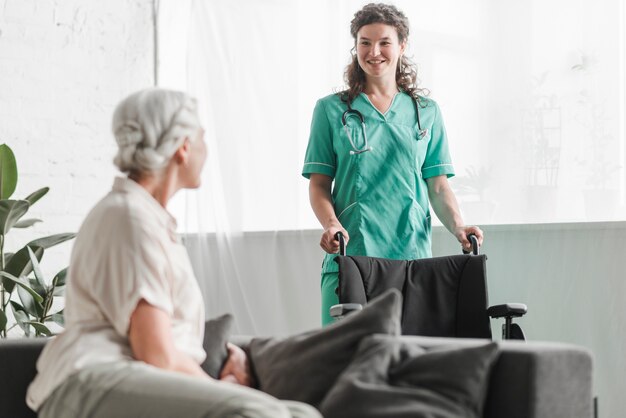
(462, 232)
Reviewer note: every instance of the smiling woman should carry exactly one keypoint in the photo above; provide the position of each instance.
(382, 192)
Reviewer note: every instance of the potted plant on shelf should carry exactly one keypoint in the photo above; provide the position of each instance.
(26, 297)
(541, 151)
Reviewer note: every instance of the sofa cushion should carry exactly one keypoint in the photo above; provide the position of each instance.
(305, 366)
(390, 378)
(216, 335)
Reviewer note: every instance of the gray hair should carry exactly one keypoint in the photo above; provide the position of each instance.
(150, 125)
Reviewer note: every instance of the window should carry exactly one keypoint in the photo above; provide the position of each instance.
(532, 94)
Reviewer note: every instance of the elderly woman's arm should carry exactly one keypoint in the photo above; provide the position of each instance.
(151, 341)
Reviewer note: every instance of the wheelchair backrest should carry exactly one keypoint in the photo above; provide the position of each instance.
(443, 296)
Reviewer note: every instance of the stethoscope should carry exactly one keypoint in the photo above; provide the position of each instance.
(366, 147)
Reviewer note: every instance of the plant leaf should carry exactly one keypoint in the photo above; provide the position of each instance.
(25, 223)
(40, 328)
(35, 196)
(58, 318)
(59, 279)
(10, 212)
(20, 265)
(59, 291)
(31, 306)
(3, 320)
(36, 270)
(58, 283)
(22, 285)
(52, 240)
(8, 172)
(34, 284)
(21, 317)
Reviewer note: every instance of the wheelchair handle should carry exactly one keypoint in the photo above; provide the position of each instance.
(474, 240)
(342, 242)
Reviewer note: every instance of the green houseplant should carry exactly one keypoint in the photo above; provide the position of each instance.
(26, 296)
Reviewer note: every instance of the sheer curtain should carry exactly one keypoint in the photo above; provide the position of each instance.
(532, 94)
(243, 61)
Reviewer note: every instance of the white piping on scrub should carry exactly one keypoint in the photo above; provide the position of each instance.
(327, 165)
(433, 166)
(348, 207)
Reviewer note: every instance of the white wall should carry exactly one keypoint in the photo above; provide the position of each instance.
(64, 65)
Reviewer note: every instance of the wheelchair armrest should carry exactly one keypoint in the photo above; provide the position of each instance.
(343, 309)
(507, 310)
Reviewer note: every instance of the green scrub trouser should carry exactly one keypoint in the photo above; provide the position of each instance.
(330, 281)
(133, 389)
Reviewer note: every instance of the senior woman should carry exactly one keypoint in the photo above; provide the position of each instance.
(132, 346)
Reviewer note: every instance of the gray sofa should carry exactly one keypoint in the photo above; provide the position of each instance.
(528, 380)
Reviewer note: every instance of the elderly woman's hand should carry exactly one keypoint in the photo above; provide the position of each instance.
(237, 367)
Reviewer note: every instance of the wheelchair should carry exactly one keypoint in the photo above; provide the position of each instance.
(442, 296)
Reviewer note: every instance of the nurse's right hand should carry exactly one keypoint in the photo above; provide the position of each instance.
(328, 242)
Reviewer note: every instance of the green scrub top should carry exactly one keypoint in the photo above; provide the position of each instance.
(380, 196)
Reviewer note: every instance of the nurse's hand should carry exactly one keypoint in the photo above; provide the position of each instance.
(462, 232)
(328, 241)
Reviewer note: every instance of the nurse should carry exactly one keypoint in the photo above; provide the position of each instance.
(384, 145)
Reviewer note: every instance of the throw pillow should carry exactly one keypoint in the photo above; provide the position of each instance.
(389, 377)
(305, 366)
(216, 335)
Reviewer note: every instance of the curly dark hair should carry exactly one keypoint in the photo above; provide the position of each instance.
(406, 73)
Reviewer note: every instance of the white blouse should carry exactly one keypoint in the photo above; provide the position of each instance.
(126, 250)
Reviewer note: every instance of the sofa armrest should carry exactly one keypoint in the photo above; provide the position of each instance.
(17, 369)
(536, 380)
(533, 379)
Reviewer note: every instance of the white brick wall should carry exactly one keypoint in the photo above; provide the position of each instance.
(64, 65)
